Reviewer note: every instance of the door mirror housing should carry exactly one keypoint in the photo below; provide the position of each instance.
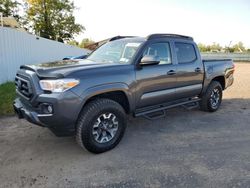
(150, 60)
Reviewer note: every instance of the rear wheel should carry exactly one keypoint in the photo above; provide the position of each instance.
(101, 125)
(211, 100)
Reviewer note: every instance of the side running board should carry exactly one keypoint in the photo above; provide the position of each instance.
(156, 112)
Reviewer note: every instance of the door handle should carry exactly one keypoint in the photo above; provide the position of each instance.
(171, 72)
(198, 69)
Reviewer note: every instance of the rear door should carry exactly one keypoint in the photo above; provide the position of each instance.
(189, 69)
(156, 83)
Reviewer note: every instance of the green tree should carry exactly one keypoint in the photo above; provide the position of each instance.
(202, 47)
(85, 42)
(73, 43)
(239, 47)
(215, 47)
(9, 8)
(53, 19)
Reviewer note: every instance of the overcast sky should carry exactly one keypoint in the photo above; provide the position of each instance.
(208, 21)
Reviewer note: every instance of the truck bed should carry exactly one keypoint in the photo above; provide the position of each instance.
(214, 67)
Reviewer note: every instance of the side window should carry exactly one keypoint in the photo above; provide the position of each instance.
(162, 50)
(185, 52)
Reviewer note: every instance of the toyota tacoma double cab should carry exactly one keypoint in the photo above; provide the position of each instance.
(140, 76)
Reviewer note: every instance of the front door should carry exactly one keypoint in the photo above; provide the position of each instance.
(156, 83)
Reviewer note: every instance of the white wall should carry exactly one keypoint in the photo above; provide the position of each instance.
(18, 48)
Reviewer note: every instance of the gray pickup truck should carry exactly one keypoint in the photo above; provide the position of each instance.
(91, 98)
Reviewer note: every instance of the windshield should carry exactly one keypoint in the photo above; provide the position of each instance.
(118, 51)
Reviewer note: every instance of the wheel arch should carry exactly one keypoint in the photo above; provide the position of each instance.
(221, 80)
(118, 92)
(208, 80)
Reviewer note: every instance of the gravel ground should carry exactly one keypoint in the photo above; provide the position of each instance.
(187, 148)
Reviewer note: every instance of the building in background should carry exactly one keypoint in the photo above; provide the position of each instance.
(11, 23)
(17, 47)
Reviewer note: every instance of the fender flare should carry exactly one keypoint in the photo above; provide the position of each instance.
(104, 88)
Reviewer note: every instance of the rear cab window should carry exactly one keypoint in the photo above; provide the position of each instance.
(185, 52)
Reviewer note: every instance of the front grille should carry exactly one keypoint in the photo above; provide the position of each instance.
(23, 86)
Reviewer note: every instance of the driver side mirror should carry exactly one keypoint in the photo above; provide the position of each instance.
(150, 60)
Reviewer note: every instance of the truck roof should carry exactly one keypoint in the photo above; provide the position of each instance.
(155, 36)
(149, 37)
(163, 35)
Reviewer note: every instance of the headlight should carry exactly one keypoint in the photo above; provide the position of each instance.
(59, 85)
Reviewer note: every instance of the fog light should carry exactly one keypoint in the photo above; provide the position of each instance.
(50, 109)
(46, 108)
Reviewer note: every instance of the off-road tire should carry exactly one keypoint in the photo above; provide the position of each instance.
(205, 103)
(88, 116)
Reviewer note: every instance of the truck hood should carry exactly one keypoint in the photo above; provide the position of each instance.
(59, 69)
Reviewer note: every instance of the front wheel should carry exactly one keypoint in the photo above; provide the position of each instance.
(101, 125)
(211, 100)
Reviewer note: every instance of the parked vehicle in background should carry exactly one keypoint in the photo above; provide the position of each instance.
(75, 57)
(90, 98)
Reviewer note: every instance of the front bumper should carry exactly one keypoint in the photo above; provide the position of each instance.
(28, 114)
(65, 112)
